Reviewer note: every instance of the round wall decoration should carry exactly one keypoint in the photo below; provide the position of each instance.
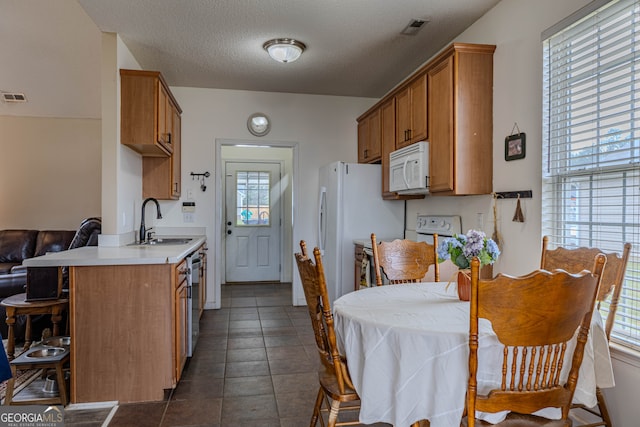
(259, 124)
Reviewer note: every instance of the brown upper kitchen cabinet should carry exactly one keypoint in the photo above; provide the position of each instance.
(460, 105)
(161, 176)
(147, 108)
(151, 125)
(411, 112)
(369, 138)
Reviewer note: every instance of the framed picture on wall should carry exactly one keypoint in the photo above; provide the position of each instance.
(514, 147)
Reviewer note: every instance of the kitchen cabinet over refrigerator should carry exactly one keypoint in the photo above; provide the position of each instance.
(351, 207)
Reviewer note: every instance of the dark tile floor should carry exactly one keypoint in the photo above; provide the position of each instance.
(254, 366)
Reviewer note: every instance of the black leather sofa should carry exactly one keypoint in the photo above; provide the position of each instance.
(18, 245)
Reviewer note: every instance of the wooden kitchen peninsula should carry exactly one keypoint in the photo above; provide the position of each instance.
(127, 319)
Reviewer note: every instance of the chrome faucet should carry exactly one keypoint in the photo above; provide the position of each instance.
(143, 230)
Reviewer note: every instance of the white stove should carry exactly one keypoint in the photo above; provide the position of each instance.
(442, 225)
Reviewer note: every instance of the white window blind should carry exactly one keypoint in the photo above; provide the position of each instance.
(591, 143)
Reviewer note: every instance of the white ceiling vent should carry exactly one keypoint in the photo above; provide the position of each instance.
(13, 97)
(414, 26)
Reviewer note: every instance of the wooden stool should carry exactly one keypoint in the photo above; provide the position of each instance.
(27, 361)
(17, 304)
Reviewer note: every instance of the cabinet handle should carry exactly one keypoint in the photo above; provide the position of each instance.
(366, 153)
(169, 138)
(175, 185)
(409, 133)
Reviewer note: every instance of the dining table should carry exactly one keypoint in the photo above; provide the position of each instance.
(407, 350)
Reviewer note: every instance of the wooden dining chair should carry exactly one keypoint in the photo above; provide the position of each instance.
(534, 317)
(578, 259)
(404, 261)
(336, 387)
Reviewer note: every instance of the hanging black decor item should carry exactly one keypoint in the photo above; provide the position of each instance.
(201, 177)
(518, 216)
(515, 144)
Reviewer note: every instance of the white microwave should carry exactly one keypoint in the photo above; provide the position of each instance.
(409, 169)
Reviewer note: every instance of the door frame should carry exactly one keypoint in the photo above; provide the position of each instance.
(218, 229)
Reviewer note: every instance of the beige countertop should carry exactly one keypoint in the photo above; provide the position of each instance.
(120, 255)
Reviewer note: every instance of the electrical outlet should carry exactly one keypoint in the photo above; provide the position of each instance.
(480, 221)
(189, 217)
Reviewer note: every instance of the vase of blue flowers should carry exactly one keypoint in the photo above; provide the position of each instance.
(460, 249)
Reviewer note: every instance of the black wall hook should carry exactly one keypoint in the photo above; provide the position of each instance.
(204, 174)
(201, 177)
(523, 194)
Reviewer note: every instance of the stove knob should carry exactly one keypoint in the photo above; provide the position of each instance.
(441, 224)
(448, 226)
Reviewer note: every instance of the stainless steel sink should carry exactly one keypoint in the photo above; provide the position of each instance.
(168, 241)
(160, 241)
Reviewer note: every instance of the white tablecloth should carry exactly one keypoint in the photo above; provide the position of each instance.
(407, 351)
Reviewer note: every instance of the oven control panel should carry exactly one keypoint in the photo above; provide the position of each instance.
(443, 225)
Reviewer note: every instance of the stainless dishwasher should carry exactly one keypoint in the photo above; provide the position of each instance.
(193, 301)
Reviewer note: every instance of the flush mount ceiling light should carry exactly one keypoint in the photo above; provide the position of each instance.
(284, 50)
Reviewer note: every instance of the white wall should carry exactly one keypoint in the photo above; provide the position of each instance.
(323, 127)
(121, 166)
(50, 174)
(515, 26)
(517, 98)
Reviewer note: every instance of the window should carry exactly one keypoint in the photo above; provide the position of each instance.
(591, 143)
(252, 198)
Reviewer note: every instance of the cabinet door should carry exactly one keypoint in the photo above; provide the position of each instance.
(388, 141)
(369, 138)
(411, 113)
(161, 176)
(418, 90)
(403, 118)
(373, 149)
(165, 117)
(363, 139)
(143, 112)
(181, 329)
(441, 144)
(176, 159)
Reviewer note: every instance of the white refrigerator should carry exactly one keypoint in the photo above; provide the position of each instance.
(351, 207)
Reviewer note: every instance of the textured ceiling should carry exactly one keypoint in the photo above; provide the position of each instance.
(354, 47)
